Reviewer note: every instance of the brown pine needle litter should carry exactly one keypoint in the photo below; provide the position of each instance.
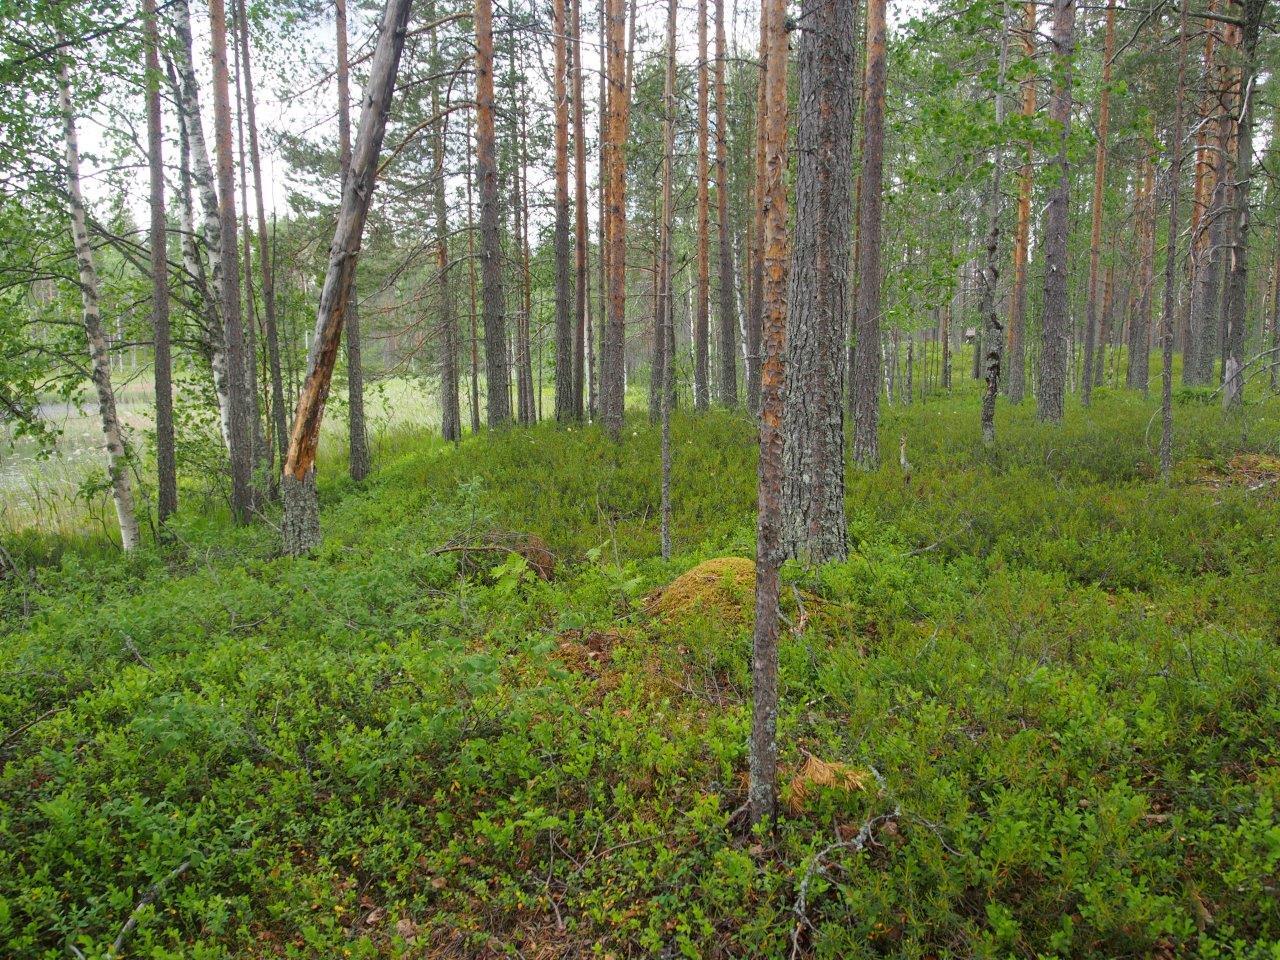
(816, 775)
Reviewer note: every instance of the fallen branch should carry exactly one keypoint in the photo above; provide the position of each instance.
(147, 898)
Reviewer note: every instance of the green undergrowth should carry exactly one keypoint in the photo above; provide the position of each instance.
(1056, 676)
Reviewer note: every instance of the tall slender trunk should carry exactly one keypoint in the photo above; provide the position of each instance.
(1015, 381)
(1055, 329)
(242, 495)
(664, 279)
(993, 339)
(471, 285)
(866, 365)
(358, 459)
(755, 297)
(100, 358)
(166, 462)
(1206, 295)
(526, 398)
(702, 304)
(450, 404)
(724, 229)
(814, 527)
(496, 368)
(1099, 182)
(1205, 172)
(258, 448)
(271, 328)
(212, 334)
(1138, 374)
(613, 345)
(582, 279)
(301, 526)
(1171, 252)
(762, 788)
(1238, 262)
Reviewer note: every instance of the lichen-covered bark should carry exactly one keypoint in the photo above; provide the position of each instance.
(724, 232)
(814, 528)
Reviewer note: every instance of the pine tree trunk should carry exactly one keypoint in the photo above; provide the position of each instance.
(582, 278)
(1099, 182)
(664, 279)
(1238, 263)
(1015, 381)
(702, 304)
(1138, 375)
(1055, 334)
(1171, 253)
(241, 435)
(358, 457)
(166, 463)
(755, 301)
(301, 526)
(724, 229)
(762, 787)
(866, 365)
(279, 415)
(613, 344)
(450, 403)
(814, 527)
(493, 309)
(100, 369)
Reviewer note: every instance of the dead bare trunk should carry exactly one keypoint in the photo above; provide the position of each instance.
(724, 232)
(301, 528)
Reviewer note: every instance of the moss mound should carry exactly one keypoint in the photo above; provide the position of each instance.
(723, 587)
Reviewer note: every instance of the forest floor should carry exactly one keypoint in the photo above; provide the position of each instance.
(1035, 714)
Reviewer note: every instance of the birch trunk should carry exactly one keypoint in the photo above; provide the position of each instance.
(100, 359)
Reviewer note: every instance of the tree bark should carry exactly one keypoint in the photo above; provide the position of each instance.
(702, 305)
(582, 278)
(450, 403)
(1015, 381)
(613, 345)
(814, 527)
(358, 457)
(664, 278)
(1171, 253)
(241, 437)
(755, 295)
(301, 528)
(271, 327)
(1138, 374)
(117, 455)
(166, 462)
(1099, 182)
(866, 355)
(762, 788)
(213, 332)
(724, 232)
(1238, 263)
(493, 310)
(1056, 328)
(993, 340)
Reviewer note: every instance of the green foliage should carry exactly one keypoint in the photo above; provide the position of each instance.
(1062, 671)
